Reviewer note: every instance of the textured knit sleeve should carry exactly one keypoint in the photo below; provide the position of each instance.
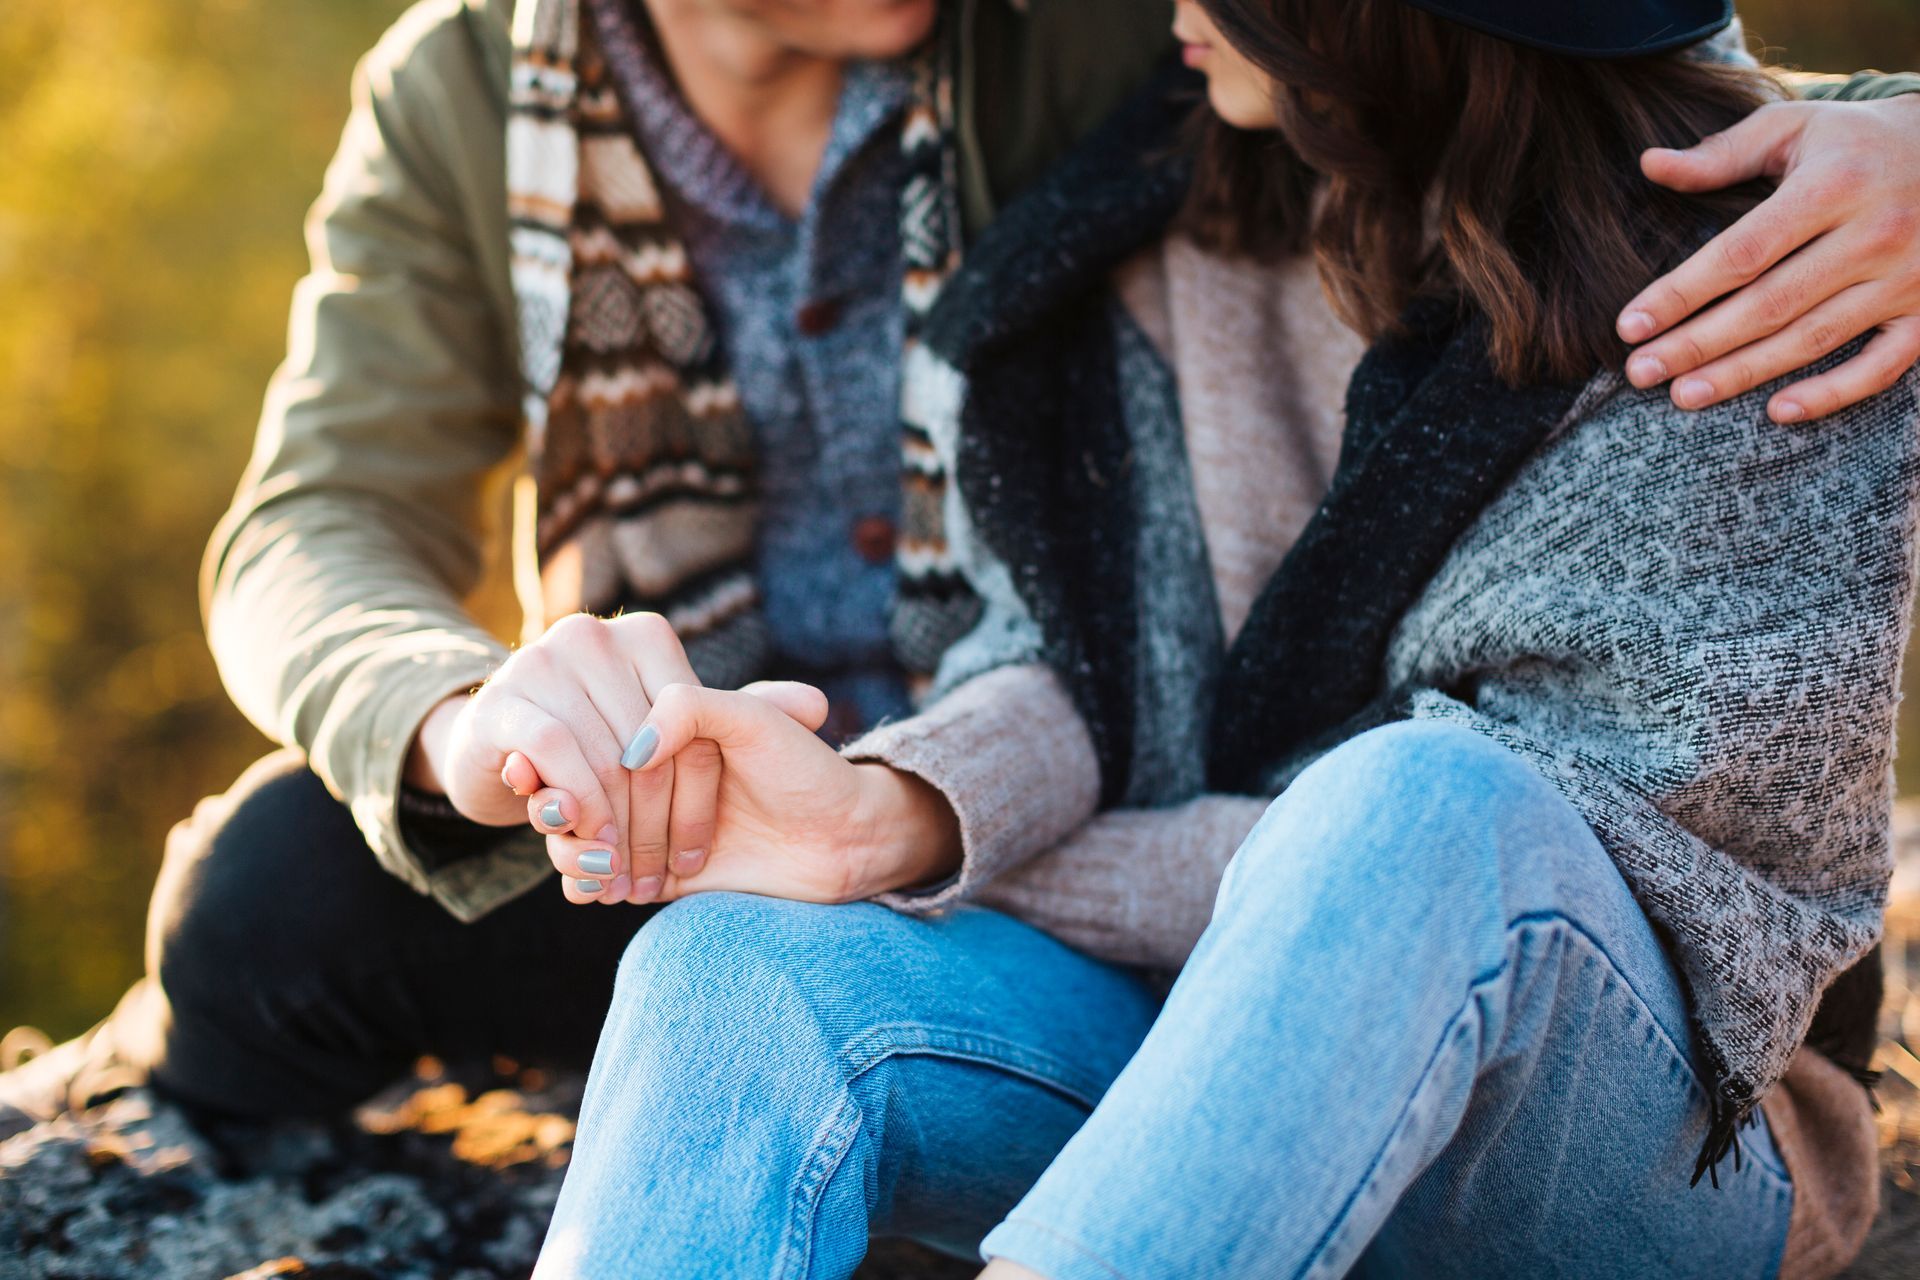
(1693, 625)
(1011, 755)
(332, 588)
(1133, 886)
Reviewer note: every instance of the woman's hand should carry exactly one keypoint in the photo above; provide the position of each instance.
(1832, 254)
(796, 819)
(542, 741)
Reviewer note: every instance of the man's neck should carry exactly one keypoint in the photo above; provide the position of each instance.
(771, 105)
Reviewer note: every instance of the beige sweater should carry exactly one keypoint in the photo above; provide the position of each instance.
(1262, 365)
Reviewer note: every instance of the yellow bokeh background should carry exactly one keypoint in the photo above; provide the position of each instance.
(156, 157)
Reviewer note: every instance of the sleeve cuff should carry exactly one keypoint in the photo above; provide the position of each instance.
(1011, 755)
(362, 755)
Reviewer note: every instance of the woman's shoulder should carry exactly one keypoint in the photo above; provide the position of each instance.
(1884, 426)
(1627, 474)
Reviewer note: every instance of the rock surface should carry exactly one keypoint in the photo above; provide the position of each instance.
(451, 1176)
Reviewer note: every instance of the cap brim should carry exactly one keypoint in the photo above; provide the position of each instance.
(1618, 29)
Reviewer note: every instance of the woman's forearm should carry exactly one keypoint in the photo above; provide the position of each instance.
(1013, 761)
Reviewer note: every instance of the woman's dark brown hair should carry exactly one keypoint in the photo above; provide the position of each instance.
(1417, 156)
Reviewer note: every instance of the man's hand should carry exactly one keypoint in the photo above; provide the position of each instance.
(1832, 254)
(542, 742)
(796, 819)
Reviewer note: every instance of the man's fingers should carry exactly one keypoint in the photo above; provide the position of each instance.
(1740, 254)
(1820, 332)
(683, 712)
(1893, 351)
(696, 807)
(649, 813)
(1764, 309)
(1756, 147)
(1748, 315)
(799, 701)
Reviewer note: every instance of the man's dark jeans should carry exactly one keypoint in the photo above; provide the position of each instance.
(287, 974)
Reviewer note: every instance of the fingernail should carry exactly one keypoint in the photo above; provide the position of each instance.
(551, 814)
(647, 889)
(609, 834)
(688, 861)
(588, 886)
(1692, 392)
(1789, 411)
(1644, 371)
(507, 782)
(640, 750)
(596, 862)
(1636, 325)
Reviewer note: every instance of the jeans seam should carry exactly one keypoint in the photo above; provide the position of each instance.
(825, 1154)
(1069, 1241)
(1335, 1229)
(911, 1039)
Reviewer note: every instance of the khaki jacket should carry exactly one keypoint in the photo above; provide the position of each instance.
(333, 588)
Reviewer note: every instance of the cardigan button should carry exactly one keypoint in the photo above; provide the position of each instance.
(875, 539)
(818, 317)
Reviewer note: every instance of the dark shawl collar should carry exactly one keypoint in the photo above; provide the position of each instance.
(1432, 436)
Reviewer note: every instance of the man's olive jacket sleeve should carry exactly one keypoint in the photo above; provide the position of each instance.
(332, 589)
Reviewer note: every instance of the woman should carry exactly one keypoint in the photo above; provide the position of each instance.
(1582, 714)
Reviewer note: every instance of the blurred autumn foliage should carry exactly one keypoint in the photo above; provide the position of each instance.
(156, 157)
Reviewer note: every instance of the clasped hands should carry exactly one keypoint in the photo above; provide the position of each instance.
(649, 787)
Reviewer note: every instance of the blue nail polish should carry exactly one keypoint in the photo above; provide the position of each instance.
(596, 862)
(588, 886)
(641, 749)
(551, 815)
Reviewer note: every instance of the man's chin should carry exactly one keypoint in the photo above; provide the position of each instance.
(893, 29)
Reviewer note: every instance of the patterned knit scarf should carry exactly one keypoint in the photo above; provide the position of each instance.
(640, 451)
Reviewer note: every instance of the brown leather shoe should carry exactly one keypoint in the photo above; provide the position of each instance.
(40, 1080)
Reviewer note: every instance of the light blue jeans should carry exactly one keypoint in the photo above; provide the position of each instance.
(1428, 1033)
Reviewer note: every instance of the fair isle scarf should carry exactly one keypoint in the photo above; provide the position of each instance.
(641, 454)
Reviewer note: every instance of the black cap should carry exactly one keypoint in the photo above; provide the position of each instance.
(1590, 28)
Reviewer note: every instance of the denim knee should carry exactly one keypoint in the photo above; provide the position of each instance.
(735, 967)
(1417, 803)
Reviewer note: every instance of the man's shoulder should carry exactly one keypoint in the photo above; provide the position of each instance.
(1038, 76)
(448, 50)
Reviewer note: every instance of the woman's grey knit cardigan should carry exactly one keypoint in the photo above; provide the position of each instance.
(1692, 624)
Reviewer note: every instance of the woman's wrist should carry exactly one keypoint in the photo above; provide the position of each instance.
(910, 833)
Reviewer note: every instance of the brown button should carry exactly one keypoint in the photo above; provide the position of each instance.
(874, 538)
(817, 317)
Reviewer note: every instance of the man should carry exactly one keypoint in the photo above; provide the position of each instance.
(505, 255)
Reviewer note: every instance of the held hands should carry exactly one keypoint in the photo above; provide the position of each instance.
(795, 818)
(542, 741)
(1832, 254)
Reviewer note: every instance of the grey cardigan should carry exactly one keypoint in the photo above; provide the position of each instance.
(1693, 626)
